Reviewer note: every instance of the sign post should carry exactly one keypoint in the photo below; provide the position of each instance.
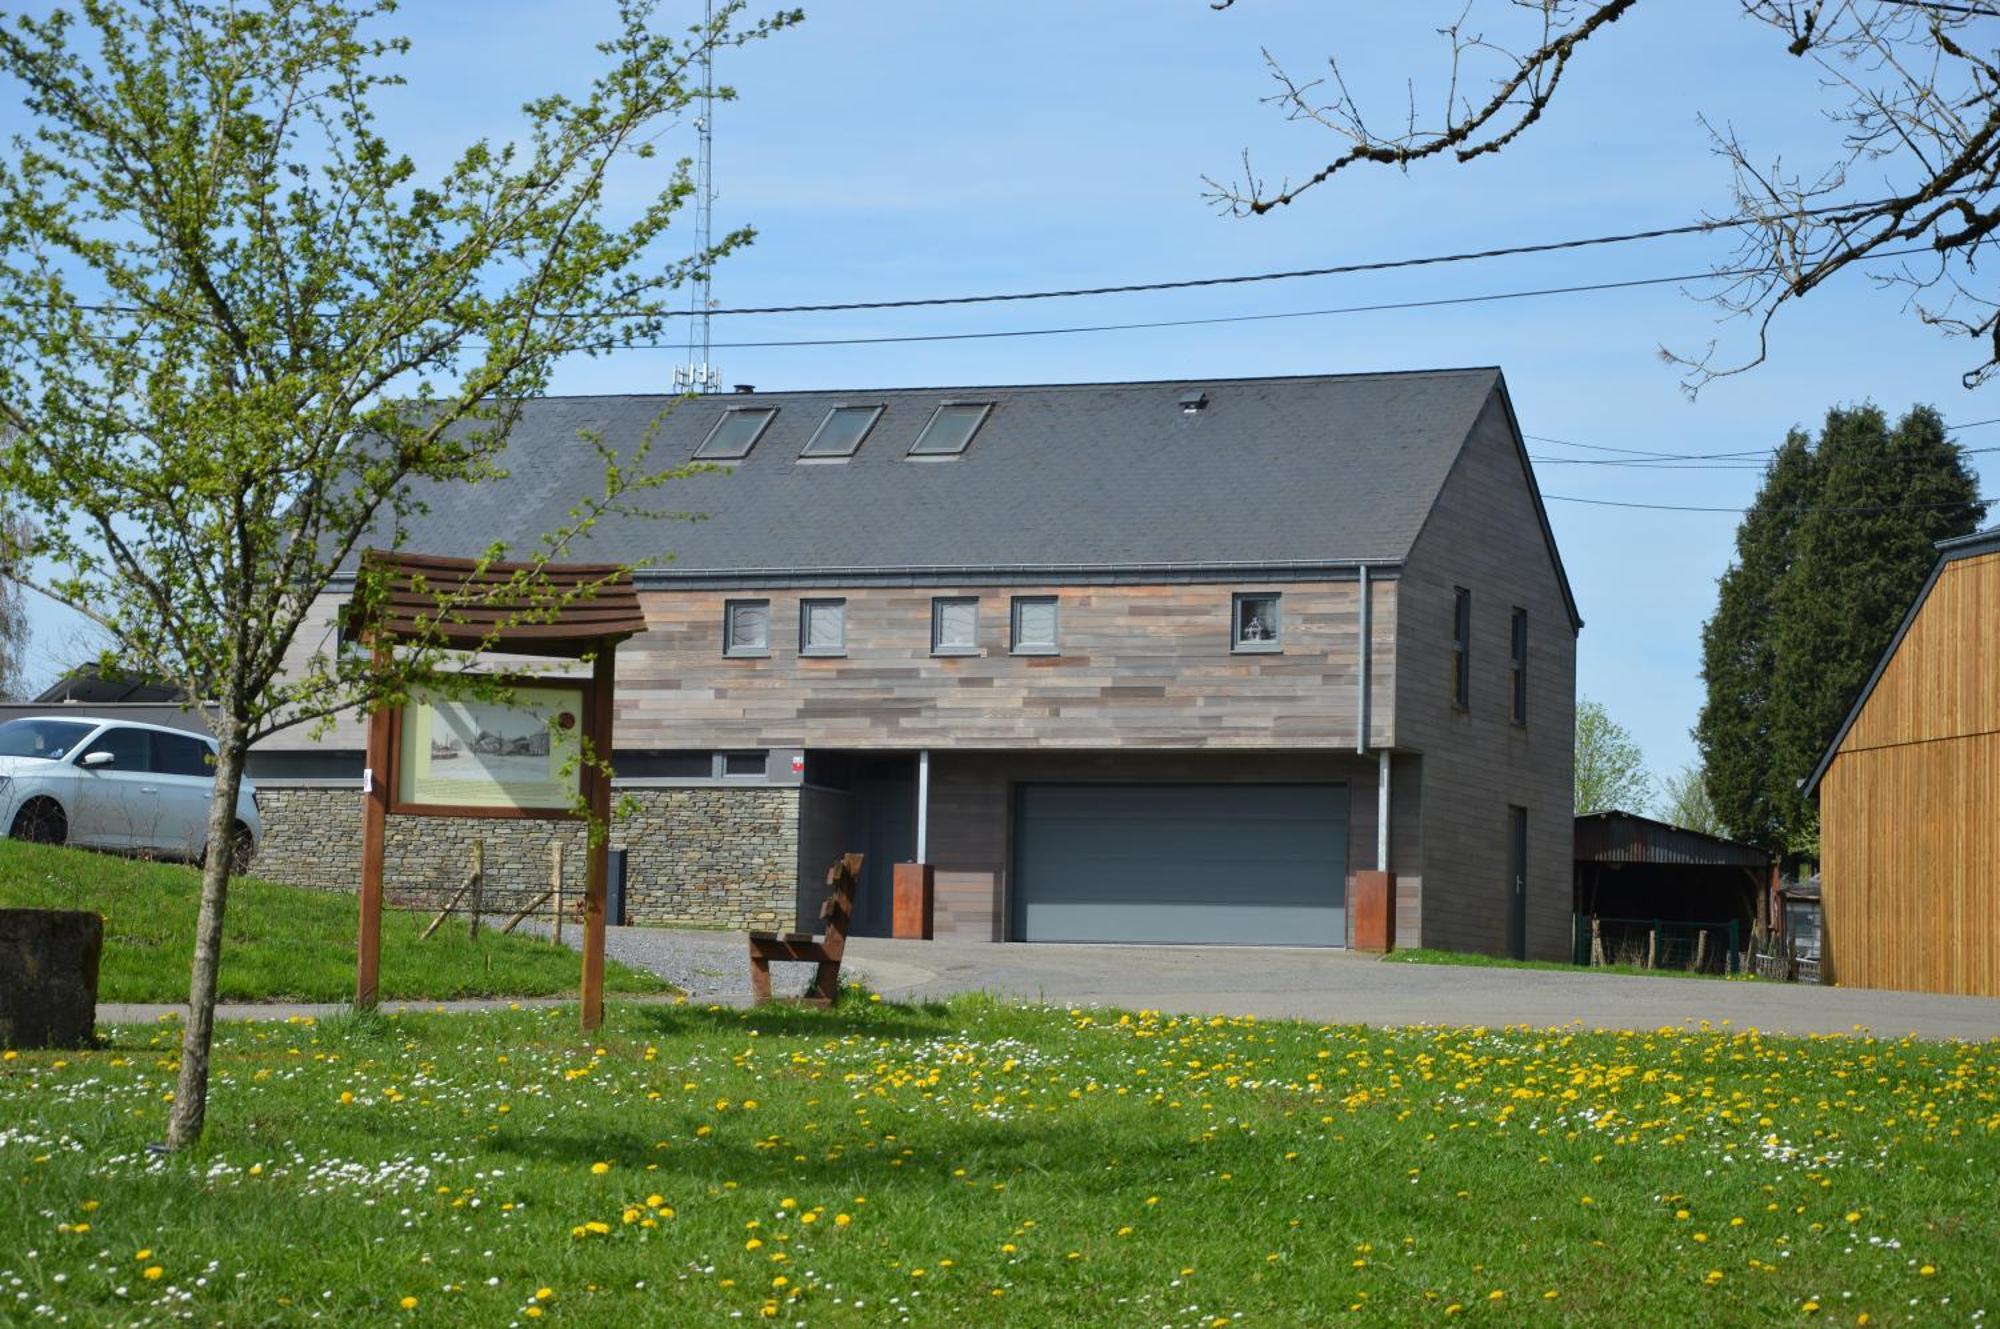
(539, 757)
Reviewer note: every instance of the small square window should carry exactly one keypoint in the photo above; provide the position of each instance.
(840, 434)
(1034, 627)
(1255, 625)
(740, 765)
(950, 429)
(955, 625)
(822, 627)
(746, 627)
(735, 433)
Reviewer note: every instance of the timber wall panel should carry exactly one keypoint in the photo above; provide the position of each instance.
(1140, 666)
(1483, 534)
(1910, 883)
(1944, 679)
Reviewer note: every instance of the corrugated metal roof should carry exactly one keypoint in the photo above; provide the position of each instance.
(1625, 837)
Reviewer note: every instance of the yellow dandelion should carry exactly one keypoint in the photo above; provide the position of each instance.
(408, 1303)
(153, 1273)
(599, 1169)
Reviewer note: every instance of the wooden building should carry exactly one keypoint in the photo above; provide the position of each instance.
(1126, 662)
(1909, 795)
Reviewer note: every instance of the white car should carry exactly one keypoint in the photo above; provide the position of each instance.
(114, 784)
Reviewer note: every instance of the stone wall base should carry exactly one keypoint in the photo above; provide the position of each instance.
(698, 856)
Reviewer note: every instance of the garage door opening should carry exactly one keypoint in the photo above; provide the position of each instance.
(1228, 864)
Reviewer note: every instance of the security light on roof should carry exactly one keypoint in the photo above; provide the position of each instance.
(735, 433)
(951, 427)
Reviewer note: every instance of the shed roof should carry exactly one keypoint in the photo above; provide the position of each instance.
(1626, 837)
(1268, 473)
(1949, 552)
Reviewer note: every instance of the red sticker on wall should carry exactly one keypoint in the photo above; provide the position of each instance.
(566, 721)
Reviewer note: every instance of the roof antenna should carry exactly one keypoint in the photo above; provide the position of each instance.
(699, 374)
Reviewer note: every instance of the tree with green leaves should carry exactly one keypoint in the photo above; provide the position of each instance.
(1739, 656)
(1829, 558)
(1610, 768)
(1684, 802)
(242, 336)
(16, 535)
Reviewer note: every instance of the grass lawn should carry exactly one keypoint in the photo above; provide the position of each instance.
(974, 1164)
(1421, 956)
(280, 942)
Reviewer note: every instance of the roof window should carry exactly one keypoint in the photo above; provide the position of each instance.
(951, 428)
(735, 433)
(840, 434)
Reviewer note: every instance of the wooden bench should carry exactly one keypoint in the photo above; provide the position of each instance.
(836, 914)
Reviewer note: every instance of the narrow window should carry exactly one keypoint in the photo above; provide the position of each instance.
(1461, 649)
(822, 627)
(746, 627)
(1520, 647)
(951, 429)
(840, 434)
(1255, 625)
(1034, 629)
(735, 433)
(955, 625)
(739, 765)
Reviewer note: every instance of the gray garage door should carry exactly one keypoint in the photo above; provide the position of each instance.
(1242, 863)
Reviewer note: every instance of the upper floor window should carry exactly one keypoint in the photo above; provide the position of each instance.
(822, 627)
(735, 433)
(1034, 627)
(955, 625)
(1461, 648)
(1255, 625)
(840, 434)
(950, 429)
(1520, 672)
(746, 627)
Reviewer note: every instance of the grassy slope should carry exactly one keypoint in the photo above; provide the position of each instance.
(280, 942)
(1004, 1167)
(1420, 956)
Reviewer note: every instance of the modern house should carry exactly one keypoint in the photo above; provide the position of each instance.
(1160, 661)
(1909, 795)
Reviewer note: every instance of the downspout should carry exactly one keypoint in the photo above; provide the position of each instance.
(923, 805)
(1364, 677)
(1382, 810)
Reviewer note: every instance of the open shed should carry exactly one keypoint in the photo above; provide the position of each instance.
(1652, 889)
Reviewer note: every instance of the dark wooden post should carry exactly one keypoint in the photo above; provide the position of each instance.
(598, 786)
(374, 826)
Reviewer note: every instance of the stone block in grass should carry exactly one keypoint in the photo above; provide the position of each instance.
(48, 977)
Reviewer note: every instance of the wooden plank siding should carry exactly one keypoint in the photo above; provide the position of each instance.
(1138, 666)
(1910, 805)
(1484, 535)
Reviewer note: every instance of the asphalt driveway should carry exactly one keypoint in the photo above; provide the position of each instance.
(1320, 985)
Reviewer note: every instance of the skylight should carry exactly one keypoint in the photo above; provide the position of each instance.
(840, 433)
(735, 433)
(950, 429)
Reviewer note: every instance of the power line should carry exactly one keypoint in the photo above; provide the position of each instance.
(1649, 464)
(1381, 307)
(1946, 7)
(1645, 454)
(1684, 507)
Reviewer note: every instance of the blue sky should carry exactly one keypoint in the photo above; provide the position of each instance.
(889, 148)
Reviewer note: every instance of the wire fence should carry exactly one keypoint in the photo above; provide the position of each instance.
(1653, 943)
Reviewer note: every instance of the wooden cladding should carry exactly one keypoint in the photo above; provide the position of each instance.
(1133, 666)
(514, 607)
(1910, 882)
(1910, 806)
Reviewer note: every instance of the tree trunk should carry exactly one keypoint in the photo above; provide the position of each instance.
(190, 1108)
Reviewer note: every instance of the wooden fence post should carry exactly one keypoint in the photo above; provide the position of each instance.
(1700, 950)
(478, 884)
(556, 885)
(1653, 946)
(1596, 941)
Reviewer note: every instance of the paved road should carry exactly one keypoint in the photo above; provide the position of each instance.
(1271, 983)
(1341, 987)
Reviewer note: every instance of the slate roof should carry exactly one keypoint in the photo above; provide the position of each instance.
(1273, 472)
(1949, 552)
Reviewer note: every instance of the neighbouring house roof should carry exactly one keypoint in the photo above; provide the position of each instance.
(87, 685)
(1268, 474)
(1626, 837)
(1949, 552)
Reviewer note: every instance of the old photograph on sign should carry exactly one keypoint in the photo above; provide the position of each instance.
(476, 754)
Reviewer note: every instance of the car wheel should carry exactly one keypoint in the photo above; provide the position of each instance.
(41, 820)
